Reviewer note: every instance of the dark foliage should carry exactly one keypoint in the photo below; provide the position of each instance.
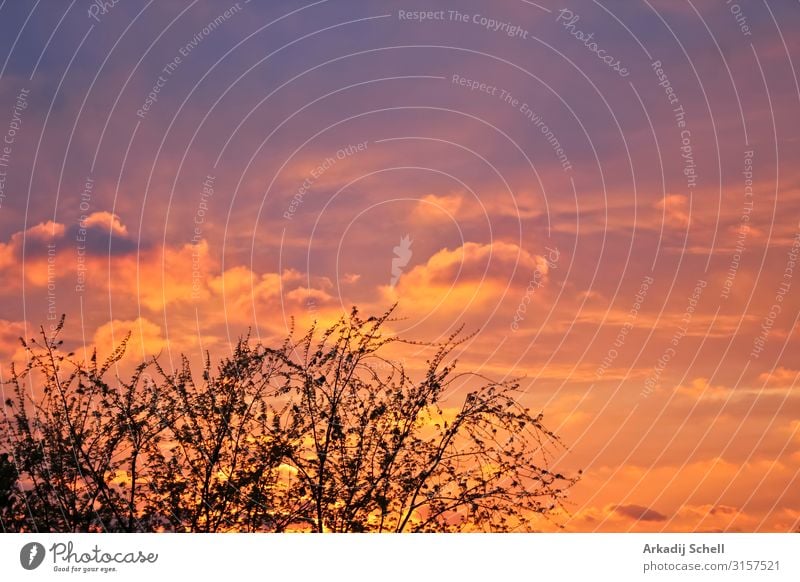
(318, 434)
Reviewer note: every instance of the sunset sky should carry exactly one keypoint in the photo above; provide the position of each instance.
(606, 192)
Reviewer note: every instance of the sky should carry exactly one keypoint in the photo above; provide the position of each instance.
(605, 193)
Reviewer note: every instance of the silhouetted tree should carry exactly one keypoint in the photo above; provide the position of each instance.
(8, 482)
(321, 433)
(74, 441)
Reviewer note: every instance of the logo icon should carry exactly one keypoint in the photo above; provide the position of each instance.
(402, 257)
(31, 555)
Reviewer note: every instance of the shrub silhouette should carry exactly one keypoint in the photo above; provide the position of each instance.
(319, 434)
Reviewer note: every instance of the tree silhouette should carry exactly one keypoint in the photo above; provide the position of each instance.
(323, 433)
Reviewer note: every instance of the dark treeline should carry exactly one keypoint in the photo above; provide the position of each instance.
(321, 433)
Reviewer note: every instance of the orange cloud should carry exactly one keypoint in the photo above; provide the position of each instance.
(108, 221)
(638, 513)
(780, 376)
(146, 339)
(35, 239)
(707, 495)
(675, 208)
(351, 278)
(433, 208)
(471, 274)
(700, 389)
(247, 294)
(10, 346)
(162, 276)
